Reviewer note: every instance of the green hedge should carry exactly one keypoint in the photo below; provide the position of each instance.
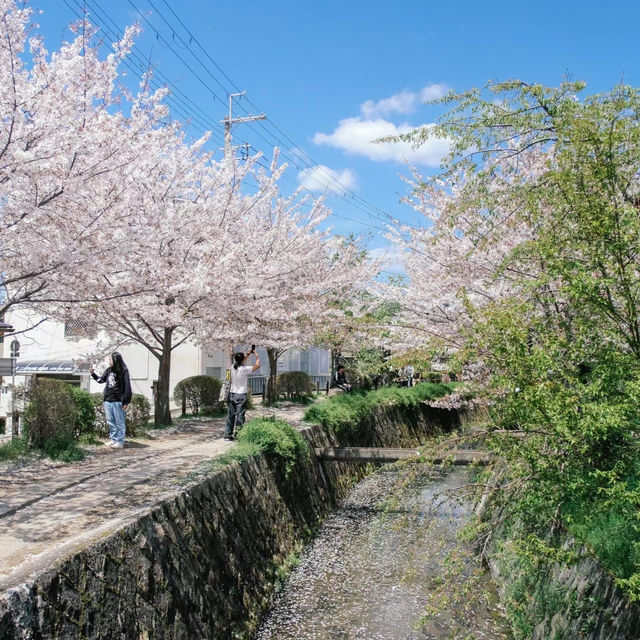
(295, 385)
(85, 415)
(52, 412)
(200, 392)
(344, 412)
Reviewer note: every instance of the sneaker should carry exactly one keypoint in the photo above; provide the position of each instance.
(229, 438)
(117, 445)
(109, 443)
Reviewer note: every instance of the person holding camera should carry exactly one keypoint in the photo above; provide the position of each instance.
(117, 396)
(238, 392)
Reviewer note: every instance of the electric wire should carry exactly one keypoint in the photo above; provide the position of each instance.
(183, 110)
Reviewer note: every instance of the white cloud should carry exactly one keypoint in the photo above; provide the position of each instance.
(391, 258)
(321, 178)
(356, 136)
(403, 102)
(433, 92)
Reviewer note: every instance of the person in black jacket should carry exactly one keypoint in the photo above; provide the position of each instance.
(340, 380)
(117, 396)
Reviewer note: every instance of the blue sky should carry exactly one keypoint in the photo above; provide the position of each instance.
(330, 73)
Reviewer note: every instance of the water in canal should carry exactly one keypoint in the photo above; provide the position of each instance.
(375, 564)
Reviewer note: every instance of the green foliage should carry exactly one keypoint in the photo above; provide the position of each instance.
(84, 411)
(51, 412)
(200, 393)
(276, 438)
(345, 412)
(238, 453)
(562, 349)
(63, 448)
(295, 385)
(138, 415)
(99, 420)
(13, 449)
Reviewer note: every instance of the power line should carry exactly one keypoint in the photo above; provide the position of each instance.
(182, 108)
(364, 204)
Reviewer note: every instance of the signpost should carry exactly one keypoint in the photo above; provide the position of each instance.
(7, 366)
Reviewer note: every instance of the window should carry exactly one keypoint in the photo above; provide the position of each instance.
(216, 372)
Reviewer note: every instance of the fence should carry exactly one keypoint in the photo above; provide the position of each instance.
(258, 384)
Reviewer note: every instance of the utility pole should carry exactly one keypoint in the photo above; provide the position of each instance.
(229, 121)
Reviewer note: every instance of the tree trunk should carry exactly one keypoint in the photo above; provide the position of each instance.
(161, 405)
(272, 389)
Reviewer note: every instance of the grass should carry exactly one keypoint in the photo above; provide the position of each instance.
(346, 411)
(271, 436)
(13, 449)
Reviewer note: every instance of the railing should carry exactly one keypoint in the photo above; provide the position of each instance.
(259, 383)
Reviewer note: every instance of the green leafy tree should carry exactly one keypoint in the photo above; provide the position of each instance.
(551, 183)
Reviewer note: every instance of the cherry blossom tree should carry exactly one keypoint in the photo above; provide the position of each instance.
(63, 146)
(296, 274)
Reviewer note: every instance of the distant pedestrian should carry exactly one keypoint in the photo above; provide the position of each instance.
(117, 397)
(238, 391)
(408, 372)
(340, 380)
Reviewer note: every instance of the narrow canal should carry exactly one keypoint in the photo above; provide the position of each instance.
(380, 561)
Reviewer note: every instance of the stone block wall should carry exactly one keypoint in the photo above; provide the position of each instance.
(200, 565)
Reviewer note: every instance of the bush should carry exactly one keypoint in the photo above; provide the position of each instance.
(13, 449)
(348, 410)
(51, 412)
(85, 417)
(64, 448)
(295, 385)
(138, 415)
(99, 420)
(200, 392)
(276, 438)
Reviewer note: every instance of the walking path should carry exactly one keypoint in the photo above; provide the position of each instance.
(49, 509)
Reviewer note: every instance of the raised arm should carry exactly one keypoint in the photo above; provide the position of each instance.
(256, 365)
(101, 379)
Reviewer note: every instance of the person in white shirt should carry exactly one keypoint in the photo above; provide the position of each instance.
(238, 392)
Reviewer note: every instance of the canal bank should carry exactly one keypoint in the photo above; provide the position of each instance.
(201, 564)
(381, 559)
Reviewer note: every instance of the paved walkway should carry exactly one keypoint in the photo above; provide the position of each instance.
(49, 509)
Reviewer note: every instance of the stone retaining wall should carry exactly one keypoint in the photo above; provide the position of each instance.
(588, 604)
(200, 565)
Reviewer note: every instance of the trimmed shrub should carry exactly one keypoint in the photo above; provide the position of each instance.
(295, 385)
(200, 392)
(84, 411)
(51, 412)
(138, 415)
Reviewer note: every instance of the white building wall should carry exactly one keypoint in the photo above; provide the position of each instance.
(47, 341)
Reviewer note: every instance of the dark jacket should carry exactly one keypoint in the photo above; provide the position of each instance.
(124, 386)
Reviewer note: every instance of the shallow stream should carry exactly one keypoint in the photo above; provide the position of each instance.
(379, 561)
